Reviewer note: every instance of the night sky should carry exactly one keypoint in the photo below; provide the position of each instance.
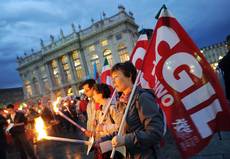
(24, 22)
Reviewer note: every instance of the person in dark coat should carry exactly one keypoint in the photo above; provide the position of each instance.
(144, 122)
(3, 143)
(224, 65)
(17, 131)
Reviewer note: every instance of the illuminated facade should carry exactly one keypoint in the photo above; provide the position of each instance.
(214, 53)
(58, 67)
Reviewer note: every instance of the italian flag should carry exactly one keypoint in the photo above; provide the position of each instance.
(106, 75)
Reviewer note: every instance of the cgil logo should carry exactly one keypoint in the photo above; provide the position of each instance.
(182, 73)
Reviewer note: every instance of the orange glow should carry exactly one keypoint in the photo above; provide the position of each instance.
(40, 128)
(55, 106)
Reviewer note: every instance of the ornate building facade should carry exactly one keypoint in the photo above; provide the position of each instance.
(58, 67)
(214, 53)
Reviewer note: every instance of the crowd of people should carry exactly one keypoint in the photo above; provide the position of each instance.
(100, 110)
(101, 115)
(17, 125)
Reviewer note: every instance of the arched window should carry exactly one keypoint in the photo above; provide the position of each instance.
(108, 54)
(123, 52)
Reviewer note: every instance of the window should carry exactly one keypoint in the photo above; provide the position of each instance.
(66, 69)
(55, 73)
(91, 48)
(77, 65)
(95, 59)
(123, 52)
(108, 54)
(104, 43)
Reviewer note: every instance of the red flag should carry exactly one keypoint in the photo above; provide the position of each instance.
(185, 86)
(106, 75)
(138, 55)
(139, 51)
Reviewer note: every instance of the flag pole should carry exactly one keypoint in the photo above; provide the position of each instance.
(159, 12)
(126, 110)
(107, 107)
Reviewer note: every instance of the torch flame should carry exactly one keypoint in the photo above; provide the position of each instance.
(40, 128)
(55, 107)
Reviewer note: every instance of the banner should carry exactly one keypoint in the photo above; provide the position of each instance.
(185, 85)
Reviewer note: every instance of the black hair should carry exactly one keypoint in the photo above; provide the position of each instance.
(90, 82)
(127, 68)
(77, 98)
(103, 89)
(10, 106)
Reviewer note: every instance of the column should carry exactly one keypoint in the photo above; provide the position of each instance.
(50, 81)
(99, 52)
(71, 68)
(82, 66)
(82, 55)
(72, 72)
(49, 76)
(40, 82)
(32, 88)
(24, 90)
(32, 83)
(114, 49)
(61, 76)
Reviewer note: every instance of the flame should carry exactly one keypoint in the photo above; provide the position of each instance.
(39, 111)
(8, 121)
(40, 128)
(55, 107)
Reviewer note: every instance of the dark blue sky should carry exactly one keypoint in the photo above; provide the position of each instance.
(24, 22)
